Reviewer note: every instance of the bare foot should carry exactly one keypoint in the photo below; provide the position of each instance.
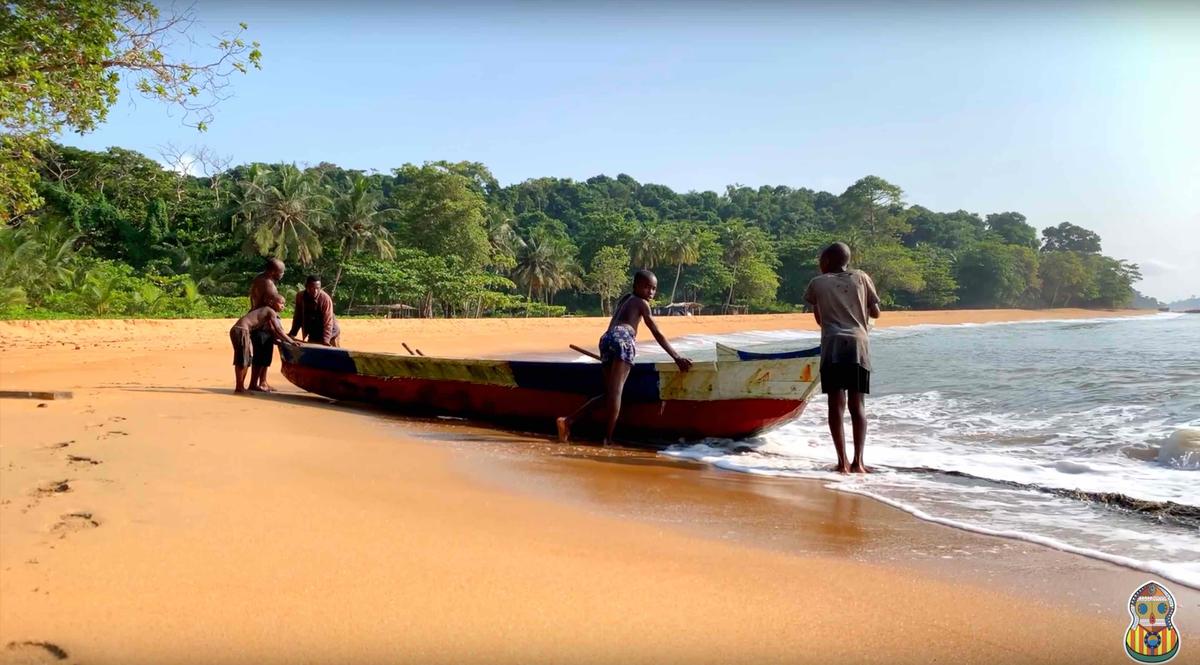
(859, 467)
(840, 468)
(239, 389)
(564, 430)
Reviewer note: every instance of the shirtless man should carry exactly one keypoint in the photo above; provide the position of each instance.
(263, 292)
(618, 348)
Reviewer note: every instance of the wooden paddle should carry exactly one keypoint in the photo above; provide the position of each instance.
(584, 351)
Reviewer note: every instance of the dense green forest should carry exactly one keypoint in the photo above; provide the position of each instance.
(117, 234)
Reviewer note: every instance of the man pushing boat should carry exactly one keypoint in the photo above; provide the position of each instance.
(263, 292)
(618, 349)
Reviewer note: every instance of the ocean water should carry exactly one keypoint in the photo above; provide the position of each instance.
(1080, 435)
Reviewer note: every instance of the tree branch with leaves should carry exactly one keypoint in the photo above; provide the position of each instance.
(62, 62)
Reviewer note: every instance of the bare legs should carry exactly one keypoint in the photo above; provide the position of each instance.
(615, 374)
(258, 380)
(263, 345)
(614, 385)
(239, 373)
(858, 421)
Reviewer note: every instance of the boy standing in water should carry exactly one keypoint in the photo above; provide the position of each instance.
(618, 348)
(265, 318)
(842, 301)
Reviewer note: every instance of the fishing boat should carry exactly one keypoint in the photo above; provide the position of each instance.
(739, 394)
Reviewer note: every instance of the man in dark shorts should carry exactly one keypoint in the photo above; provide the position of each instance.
(263, 291)
(842, 302)
(314, 315)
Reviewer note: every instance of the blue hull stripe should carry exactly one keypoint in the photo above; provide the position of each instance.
(320, 357)
(584, 379)
(564, 377)
(783, 355)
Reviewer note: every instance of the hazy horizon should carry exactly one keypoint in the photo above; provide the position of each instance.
(1068, 112)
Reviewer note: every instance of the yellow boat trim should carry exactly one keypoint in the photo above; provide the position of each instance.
(784, 379)
(488, 372)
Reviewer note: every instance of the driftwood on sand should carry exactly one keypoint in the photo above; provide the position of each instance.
(36, 394)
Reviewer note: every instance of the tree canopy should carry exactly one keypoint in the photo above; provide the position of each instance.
(62, 62)
(119, 234)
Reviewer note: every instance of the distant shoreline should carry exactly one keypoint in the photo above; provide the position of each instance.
(454, 337)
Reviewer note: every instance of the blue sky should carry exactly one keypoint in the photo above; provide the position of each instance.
(1080, 112)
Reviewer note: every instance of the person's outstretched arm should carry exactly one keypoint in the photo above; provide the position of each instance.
(297, 315)
(326, 306)
(873, 308)
(810, 297)
(683, 363)
(277, 329)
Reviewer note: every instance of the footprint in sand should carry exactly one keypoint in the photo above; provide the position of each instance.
(111, 433)
(72, 522)
(33, 653)
(116, 419)
(80, 459)
(53, 487)
(60, 444)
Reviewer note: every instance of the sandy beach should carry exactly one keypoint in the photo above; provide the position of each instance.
(156, 517)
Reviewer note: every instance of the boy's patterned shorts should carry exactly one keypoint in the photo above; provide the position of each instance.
(618, 344)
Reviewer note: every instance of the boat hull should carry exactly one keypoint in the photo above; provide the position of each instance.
(660, 404)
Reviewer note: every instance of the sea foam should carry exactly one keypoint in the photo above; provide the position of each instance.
(1181, 450)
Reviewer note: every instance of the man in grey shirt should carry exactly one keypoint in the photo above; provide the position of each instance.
(843, 300)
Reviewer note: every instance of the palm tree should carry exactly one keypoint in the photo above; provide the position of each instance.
(568, 274)
(35, 257)
(206, 276)
(647, 246)
(280, 216)
(11, 296)
(741, 243)
(545, 266)
(99, 292)
(356, 225)
(681, 247)
(503, 239)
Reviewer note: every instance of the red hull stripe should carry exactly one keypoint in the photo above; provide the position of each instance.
(537, 407)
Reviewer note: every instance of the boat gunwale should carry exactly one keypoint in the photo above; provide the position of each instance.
(661, 365)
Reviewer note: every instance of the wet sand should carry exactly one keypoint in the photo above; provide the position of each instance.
(158, 518)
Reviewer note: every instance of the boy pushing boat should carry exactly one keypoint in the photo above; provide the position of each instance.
(618, 349)
(261, 319)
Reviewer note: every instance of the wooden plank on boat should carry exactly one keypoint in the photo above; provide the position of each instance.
(36, 394)
(584, 351)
